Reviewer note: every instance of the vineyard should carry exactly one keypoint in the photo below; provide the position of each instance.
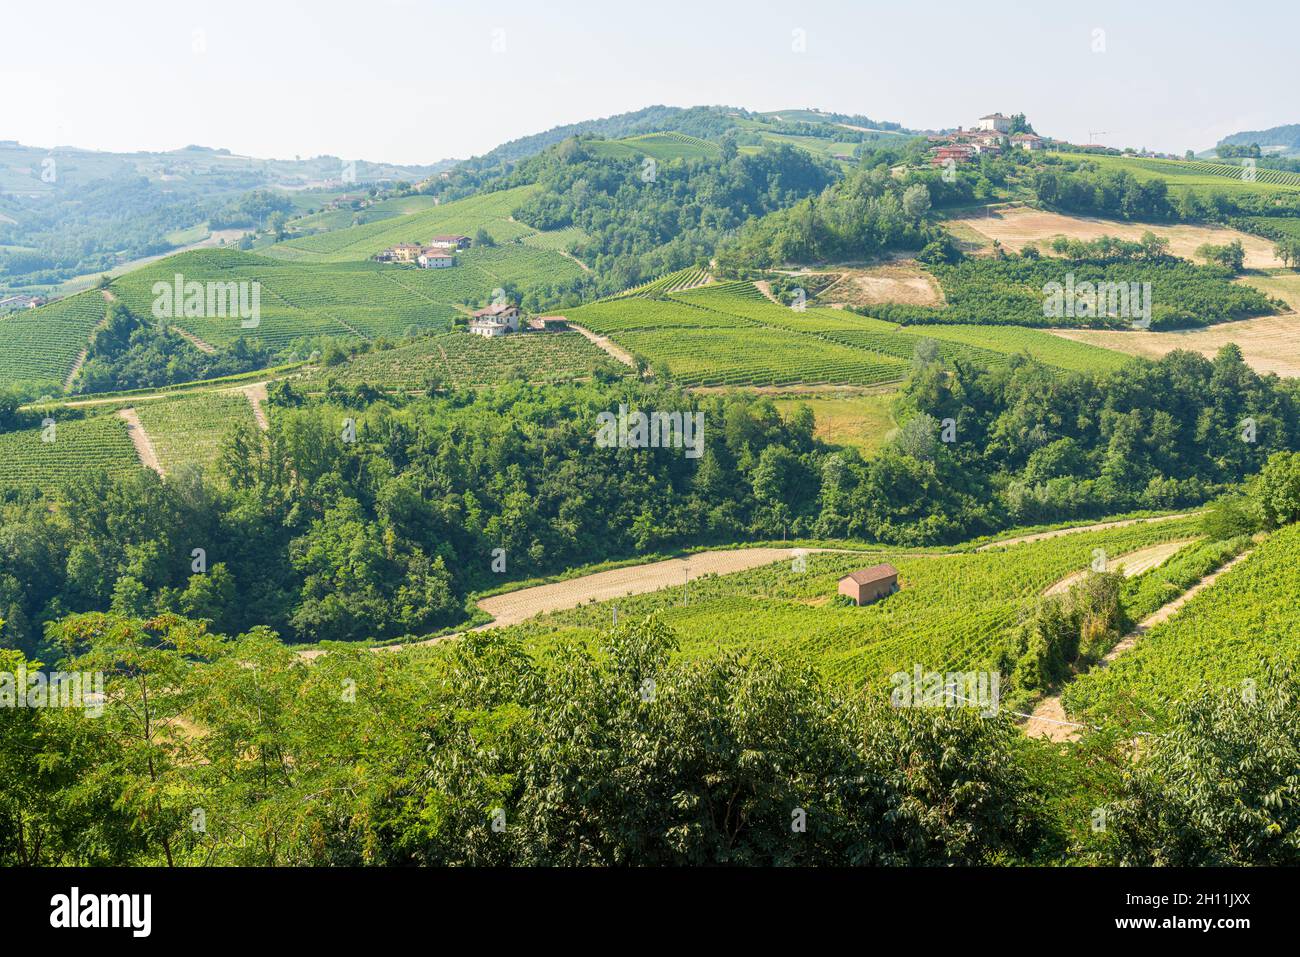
(1199, 176)
(189, 430)
(787, 613)
(460, 360)
(730, 334)
(490, 211)
(1219, 638)
(80, 447)
(346, 300)
(660, 146)
(670, 282)
(40, 346)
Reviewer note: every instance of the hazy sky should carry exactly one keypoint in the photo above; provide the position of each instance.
(415, 81)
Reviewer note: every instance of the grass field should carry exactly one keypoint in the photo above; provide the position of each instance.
(863, 422)
(1219, 638)
(79, 447)
(189, 430)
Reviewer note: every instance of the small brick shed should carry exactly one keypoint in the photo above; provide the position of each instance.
(870, 584)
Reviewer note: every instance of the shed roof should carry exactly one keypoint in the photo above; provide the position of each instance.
(876, 573)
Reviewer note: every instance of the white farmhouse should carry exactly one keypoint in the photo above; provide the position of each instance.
(494, 321)
(435, 259)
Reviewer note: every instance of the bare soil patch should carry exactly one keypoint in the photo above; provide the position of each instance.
(903, 281)
(140, 439)
(1268, 343)
(1016, 226)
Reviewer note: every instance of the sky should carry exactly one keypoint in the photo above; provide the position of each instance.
(416, 81)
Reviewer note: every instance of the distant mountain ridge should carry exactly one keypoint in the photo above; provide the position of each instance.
(1280, 138)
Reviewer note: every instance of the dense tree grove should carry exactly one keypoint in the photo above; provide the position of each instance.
(319, 537)
(478, 754)
(861, 216)
(645, 220)
(127, 352)
(1078, 186)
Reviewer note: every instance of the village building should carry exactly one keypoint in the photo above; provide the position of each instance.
(1027, 141)
(494, 321)
(435, 259)
(869, 584)
(405, 252)
(958, 153)
(548, 324)
(995, 122)
(21, 301)
(449, 242)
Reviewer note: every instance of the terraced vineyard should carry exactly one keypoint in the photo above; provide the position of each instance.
(80, 447)
(461, 360)
(1219, 637)
(189, 430)
(785, 613)
(705, 347)
(669, 282)
(490, 211)
(41, 345)
(986, 345)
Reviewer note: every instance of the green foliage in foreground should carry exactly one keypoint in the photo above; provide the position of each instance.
(1219, 788)
(481, 755)
(216, 751)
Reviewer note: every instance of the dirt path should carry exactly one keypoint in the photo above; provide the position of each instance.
(515, 607)
(256, 395)
(568, 255)
(1048, 719)
(765, 288)
(1132, 564)
(76, 367)
(602, 342)
(140, 439)
(194, 340)
(1097, 527)
(84, 354)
